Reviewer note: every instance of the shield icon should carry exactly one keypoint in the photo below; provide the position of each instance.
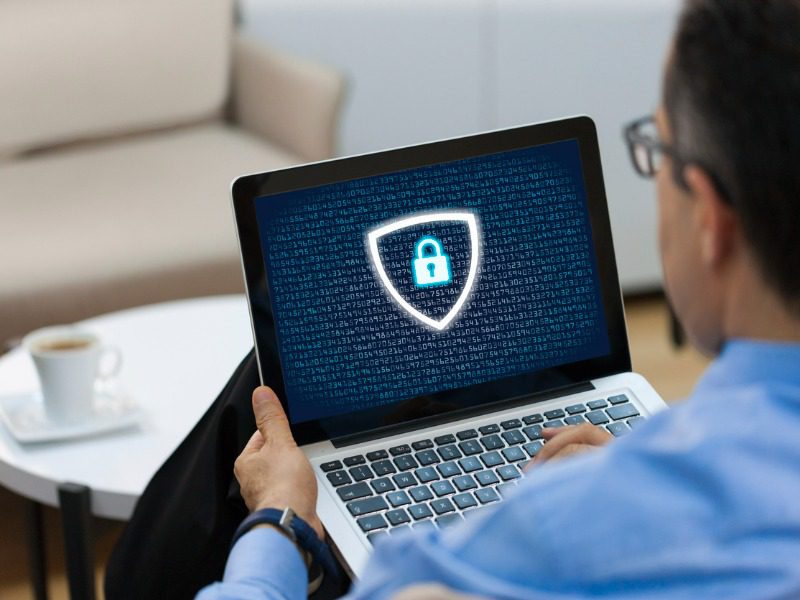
(413, 232)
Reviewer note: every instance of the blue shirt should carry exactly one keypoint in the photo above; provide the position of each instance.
(699, 501)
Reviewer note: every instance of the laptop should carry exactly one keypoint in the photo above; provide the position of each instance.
(424, 312)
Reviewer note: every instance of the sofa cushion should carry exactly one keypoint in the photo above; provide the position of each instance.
(77, 69)
(80, 228)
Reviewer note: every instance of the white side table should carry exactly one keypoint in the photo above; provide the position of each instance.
(177, 356)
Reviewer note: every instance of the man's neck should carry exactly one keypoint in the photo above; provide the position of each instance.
(754, 310)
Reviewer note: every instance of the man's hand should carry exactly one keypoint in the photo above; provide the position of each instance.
(272, 471)
(573, 439)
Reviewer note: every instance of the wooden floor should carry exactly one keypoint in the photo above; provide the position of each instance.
(672, 372)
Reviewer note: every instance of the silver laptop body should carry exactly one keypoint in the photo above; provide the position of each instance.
(425, 312)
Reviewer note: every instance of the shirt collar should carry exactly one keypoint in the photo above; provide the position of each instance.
(744, 361)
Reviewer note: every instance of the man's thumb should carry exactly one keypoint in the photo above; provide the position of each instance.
(270, 418)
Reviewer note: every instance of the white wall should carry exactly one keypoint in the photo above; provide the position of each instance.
(420, 70)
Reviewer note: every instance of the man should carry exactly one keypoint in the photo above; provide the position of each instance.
(700, 501)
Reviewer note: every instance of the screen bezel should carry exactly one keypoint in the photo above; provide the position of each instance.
(246, 189)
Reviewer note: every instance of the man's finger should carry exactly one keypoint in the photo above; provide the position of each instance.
(270, 418)
(564, 436)
(255, 443)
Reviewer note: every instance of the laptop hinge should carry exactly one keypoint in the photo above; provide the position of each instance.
(457, 415)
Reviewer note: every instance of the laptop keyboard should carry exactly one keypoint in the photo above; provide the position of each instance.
(437, 482)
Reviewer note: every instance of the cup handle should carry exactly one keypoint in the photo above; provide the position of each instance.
(115, 362)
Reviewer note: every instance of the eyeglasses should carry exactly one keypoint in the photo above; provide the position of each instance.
(647, 153)
(647, 150)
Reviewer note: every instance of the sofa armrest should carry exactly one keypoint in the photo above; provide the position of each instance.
(292, 102)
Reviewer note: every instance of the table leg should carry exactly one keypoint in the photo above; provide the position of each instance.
(76, 517)
(36, 549)
(675, 329)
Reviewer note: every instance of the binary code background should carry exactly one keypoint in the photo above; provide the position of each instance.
(345, 345)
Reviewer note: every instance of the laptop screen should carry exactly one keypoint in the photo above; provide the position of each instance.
(438, 287)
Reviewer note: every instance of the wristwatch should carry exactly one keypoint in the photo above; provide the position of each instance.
(297, 530)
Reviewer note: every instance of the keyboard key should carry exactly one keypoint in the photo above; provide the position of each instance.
(511, 424)
(554, 423)
(426, 474)
(401, 449)
(448, 520)
(338, 478)
(361, 473)
(354, 492)
(442, 506)
(425, 524)
(464, 483)
(596, 404)
(397, 516)
(398, 499)
(399, 529)
(487, 495)
(372, 522)
(617, 429)
(486, 477)
(554, 414)
(597, 417)
(464, 501)
(383, 467)
(513, 436)
(420, 511)
(635, 421)
(514, 454)
(467, 434)
(504, 488)
(422, 445)
(487, 429)
(574, 409)
(404, 480)
(377, 455)
(533, 419)
(331, 466)
(492, 442)
(532, 448)
(406, 462)
(443, 488)
(508, 472)
(471, 447)
(448, 469)
(420, 493)
(623, 411)
(427, 457)
(470, 464)
(574, 420)
(376, 535)
(352, 461)
(382, 485)
(534, 432)
(445, 439)
(618, 399)
(449, 452)
(367, 505)
(492, 459)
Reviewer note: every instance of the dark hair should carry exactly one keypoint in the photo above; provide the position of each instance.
(732, 95)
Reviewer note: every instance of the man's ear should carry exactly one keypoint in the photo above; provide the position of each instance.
(715, 221)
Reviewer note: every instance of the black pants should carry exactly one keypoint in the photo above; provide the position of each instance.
(178, 538)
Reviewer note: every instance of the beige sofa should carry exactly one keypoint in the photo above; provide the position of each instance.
(122, 125)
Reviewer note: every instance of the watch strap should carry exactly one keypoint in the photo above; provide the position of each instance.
(296, 530)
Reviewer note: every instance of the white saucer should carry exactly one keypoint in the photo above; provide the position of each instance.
(25, 417)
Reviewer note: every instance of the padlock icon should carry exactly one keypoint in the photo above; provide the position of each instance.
(430, 266)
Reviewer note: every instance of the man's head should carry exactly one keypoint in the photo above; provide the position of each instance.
(729, 193)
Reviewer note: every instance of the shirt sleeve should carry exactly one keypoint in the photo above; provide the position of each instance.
(263, 565)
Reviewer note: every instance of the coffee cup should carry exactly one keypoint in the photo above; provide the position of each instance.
(70, 362)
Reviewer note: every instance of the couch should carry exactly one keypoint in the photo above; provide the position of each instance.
(122, 125)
